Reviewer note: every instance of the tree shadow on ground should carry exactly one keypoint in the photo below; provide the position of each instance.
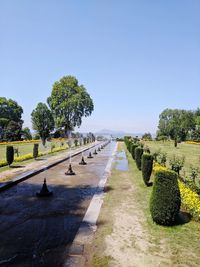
(38, 231)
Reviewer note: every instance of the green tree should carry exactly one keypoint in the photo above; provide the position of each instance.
(147, 136)
(13, 131)
(10, 116)
(176, 123)
(26, 133)
(69, 102)
(42, 121)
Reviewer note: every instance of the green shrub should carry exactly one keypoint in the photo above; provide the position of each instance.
(146, 149)
(76, 142)
(133, 150)
(177, 163)
(165, 198)
(162, 158)
(35, 150)
(16, 151)
(147, 165)
(9, 154)
(138, 156)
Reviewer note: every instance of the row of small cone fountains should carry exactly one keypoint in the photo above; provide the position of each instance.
(44, 192)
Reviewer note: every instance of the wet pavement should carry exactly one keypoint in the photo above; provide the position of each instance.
(38, 231)
(121, 161)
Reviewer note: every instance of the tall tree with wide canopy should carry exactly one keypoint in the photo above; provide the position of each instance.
(69, 102)
(10, 119)
(176, 123)
(42, 121)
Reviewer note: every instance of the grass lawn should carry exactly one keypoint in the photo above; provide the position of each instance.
(189, 151)
(126, 235)
(25, 148)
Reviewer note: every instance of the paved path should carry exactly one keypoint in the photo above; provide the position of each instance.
(38, 232)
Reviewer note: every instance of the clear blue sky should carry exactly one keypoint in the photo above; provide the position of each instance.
(135, 58)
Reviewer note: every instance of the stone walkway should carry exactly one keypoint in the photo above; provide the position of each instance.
(37, 231)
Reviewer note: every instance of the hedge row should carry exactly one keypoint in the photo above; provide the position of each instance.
(165, 198)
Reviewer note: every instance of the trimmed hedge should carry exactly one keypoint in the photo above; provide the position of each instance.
(133, 150)
(147, 166)
(35, 150)
(138, 156)
(9, 154)
(165, 198)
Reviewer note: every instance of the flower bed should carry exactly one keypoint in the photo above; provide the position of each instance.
(189, 199)
(30, 156)
(192, 143)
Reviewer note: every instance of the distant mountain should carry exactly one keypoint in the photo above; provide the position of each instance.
(107, 131)
(116, 133)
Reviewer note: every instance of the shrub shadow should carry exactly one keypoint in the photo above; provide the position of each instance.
(16, 166)
(149, 184)
(182, 218)
(107, 188)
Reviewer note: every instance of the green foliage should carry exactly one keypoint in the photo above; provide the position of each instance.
(9, 154)
(69, 102)
(16, 151)
(13, 131)
(84, 140)
(162, 138)
(177, 163)
(165, 198)
(156, 154)
(147, 137)
(42, 121)
(176, 123)
(194, 173)
(36, 136)
(76, 142)
(138, 157)
(147, 149)
(147, 165)
(35, 150)
(10, 120)
(162, 158)
(26, 134)
(133, 147)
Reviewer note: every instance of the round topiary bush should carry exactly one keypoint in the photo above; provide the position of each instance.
(9, 154)
(165, 198)
(138, 156)
(35, 150)
(147, 165)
